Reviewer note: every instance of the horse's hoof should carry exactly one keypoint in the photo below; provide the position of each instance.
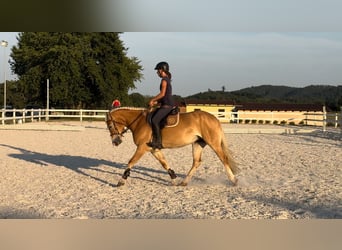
(120, 183)
(235, 183)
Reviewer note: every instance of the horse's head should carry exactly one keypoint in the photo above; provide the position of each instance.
(116, 129)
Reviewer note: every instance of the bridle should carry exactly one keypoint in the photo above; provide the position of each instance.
(112, 125)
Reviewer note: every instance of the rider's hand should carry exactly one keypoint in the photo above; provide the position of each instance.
(152, 103)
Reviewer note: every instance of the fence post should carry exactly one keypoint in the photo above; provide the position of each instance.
(24, 115)
(47, 99)
(341, 120)
(81, 118)
(14, 117)
(324, 119)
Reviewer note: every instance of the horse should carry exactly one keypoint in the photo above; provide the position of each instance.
(198, 128)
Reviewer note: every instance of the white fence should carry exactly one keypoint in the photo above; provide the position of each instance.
(14, 116)
(293, 118)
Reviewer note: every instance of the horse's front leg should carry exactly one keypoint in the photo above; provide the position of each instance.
(137, 155)
(160, 157)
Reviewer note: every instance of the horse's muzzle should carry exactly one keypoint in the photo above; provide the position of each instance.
(116, 141)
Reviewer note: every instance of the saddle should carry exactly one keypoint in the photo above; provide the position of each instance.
(171, 120)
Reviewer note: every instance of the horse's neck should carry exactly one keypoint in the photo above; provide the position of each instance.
(133, 117)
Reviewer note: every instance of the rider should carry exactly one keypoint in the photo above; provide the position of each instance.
(165, 101)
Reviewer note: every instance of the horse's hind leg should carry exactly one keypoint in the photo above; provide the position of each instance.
(223, 154)
(197, 149)
(160, 157)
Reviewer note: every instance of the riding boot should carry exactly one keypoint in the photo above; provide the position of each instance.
(156, 138)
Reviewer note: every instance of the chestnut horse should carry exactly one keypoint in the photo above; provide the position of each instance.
(198, 128)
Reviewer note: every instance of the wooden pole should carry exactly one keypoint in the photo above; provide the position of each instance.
(324, 119)
(47, 99)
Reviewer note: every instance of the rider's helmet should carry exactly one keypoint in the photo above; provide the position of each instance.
(162, 65)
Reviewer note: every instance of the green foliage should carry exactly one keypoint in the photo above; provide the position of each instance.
(14, 95)
(138, 100)
(85, 70)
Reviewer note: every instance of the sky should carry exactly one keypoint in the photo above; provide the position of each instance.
(212, 60)
(219, 15)
(10, 37)
(222, 43)
(234, 60)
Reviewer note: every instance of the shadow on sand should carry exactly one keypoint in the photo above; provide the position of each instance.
(81, 163)
(14, 213)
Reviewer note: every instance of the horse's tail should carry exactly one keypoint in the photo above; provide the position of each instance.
(227, 155)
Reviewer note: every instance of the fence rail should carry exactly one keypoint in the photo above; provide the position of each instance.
(315, 119)
(14, 116)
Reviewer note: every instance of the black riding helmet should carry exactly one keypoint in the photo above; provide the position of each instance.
(162, 65)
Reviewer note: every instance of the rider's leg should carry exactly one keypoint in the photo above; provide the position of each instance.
(156, 119)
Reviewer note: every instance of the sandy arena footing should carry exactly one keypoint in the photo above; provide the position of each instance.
(70, 170)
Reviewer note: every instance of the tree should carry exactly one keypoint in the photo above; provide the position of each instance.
(138, 100)
(85, 70)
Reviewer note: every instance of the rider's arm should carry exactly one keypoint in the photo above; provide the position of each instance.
(161, 94)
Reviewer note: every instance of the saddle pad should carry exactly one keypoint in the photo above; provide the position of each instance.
(172, 120)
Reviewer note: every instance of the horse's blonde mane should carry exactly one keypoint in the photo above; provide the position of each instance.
(130, 108)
